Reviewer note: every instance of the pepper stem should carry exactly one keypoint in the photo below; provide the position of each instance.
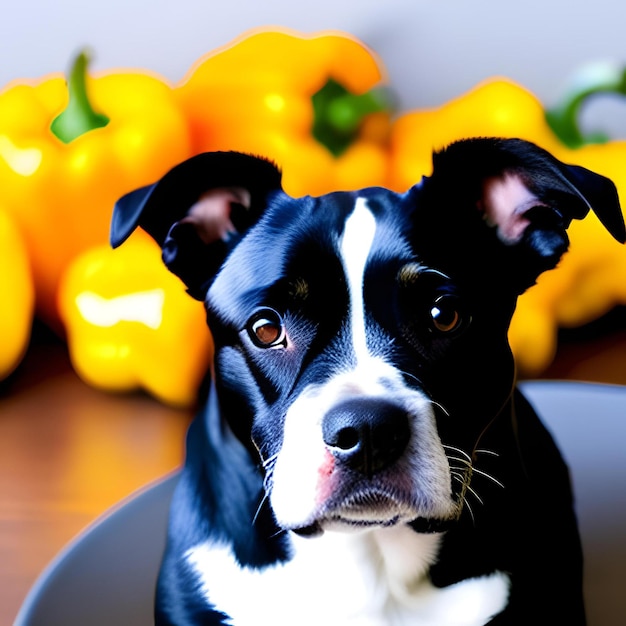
(591, 80)
(79, 116)
(338, 114)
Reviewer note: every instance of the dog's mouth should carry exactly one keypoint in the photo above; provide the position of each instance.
(374, 508)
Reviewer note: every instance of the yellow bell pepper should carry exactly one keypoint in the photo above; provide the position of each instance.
(18, 296)
(312, 104)
(63, 164)
(130, 323)
(497, 107)
(591, 278)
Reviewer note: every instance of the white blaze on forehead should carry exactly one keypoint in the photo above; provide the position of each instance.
(356, 243)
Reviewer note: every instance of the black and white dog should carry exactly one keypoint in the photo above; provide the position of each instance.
(364, 457)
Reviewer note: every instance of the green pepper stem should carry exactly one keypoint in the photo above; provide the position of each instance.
(79, 116)
(340, 113)
(591, 80)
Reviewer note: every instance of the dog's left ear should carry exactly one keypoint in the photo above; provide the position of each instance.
(527, 196)
(198, 212)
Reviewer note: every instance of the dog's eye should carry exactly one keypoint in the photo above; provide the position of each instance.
(266, 329)
(446, 315)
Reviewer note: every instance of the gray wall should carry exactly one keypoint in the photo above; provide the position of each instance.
(433, 49)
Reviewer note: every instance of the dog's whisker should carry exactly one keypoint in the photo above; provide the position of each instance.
(419, 382)
(280, 531)
(267, 463)
(430, 400)
(465, 462)
(258, 509)
(473, 492)
(469, 467)
(269, 460)
(267, 480)
(488, 476)
(441, 407)
(466, 505)
(267, 484)
(460, 470)
(460, 478)
(268, 466)
(411, 376)
(482, 451)
(455, 449)
(463, 474)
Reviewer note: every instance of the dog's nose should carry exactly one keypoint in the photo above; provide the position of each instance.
(366, 434)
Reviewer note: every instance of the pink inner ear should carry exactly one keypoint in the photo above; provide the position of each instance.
(504, 204)
(211, 213)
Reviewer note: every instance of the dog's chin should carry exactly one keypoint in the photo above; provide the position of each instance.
(368, 512)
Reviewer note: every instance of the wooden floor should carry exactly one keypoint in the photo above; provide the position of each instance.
(68, 452)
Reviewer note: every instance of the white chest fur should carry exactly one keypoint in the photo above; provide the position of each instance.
(375, 578)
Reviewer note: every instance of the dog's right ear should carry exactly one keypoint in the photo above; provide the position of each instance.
(198, 212)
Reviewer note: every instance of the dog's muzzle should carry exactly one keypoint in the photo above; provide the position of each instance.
(360, 461)
(366, 438)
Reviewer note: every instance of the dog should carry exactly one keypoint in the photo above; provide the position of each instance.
(363, 456)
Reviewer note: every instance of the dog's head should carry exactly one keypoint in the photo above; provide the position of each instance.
(361, 337)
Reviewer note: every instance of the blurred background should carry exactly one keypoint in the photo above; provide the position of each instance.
(433, 51)
(69, 448)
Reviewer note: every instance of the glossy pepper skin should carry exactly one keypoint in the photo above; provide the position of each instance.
(131, 323)
(494, 108)
(256, 95)
(60, 192)
(18, 296)
(591, 278)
